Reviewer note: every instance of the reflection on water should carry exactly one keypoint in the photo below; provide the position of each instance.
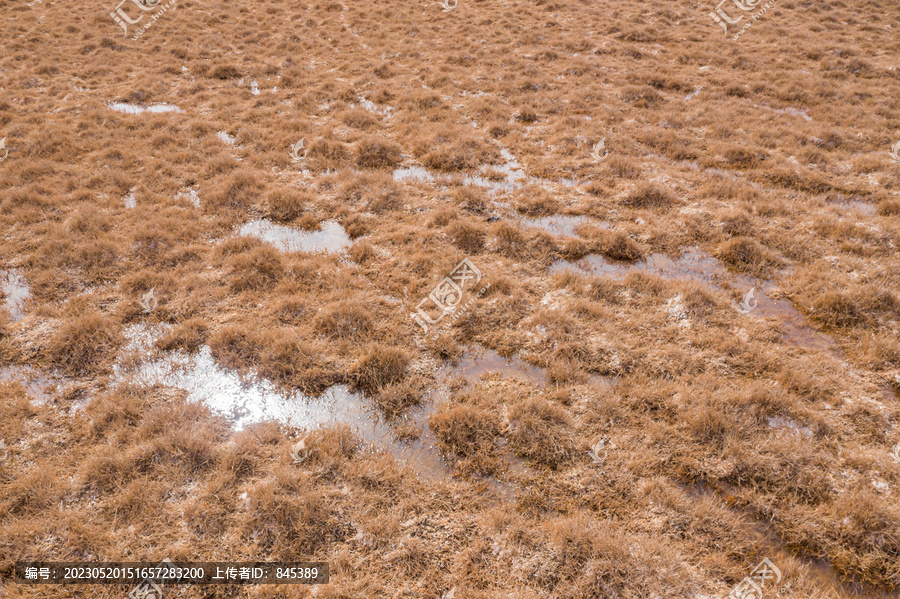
(820, 569)
(479, 361)
(246, 400)
(330, 238)
(563, 226)
(513, 176)
(700, 266)
(413, 173)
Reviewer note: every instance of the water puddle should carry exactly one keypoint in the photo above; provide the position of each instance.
(130, 201)
(16, 291)
(330, 238)
(700, 266)
(225, 138)
(855, 205)
(39, 387)
(693, 264)
(787, 423)
(387, 111)
(794, 112)
(135, 109)
(479, 361)
(563, 226)
(513, 175)
(246, 400)
(415, 174)
(495, 178)
(191, 195)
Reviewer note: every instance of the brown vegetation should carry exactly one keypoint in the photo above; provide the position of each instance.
(727, 435)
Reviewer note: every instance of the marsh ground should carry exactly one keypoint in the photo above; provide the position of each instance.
(171, 273)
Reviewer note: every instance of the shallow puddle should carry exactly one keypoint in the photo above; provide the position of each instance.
(488, 176)
(135, 109)
(788, 424)
(15, 291)
(249, 400)
(693, 94)
(700, 266)
(191, 195)
(563, 226)
(479, 361)
(39, 387)
(856, 206)
(246, 400)
(330, 238)
(415, 174)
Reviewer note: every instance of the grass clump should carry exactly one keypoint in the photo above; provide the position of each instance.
(186, 336)
(85, 344)
(747, 255)
(468, 433)
(286, 204)
(238, 192)
(376, 153)
(542, 431)
(649, 196)
(258, 267)
(345, 319)
(380, 366)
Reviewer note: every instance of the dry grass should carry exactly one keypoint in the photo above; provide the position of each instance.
(376, 153)
(649, 196)
(187, 336)
(729, 436)
(469, 433)
(380, 366)
(541, 431)
(84, 344)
